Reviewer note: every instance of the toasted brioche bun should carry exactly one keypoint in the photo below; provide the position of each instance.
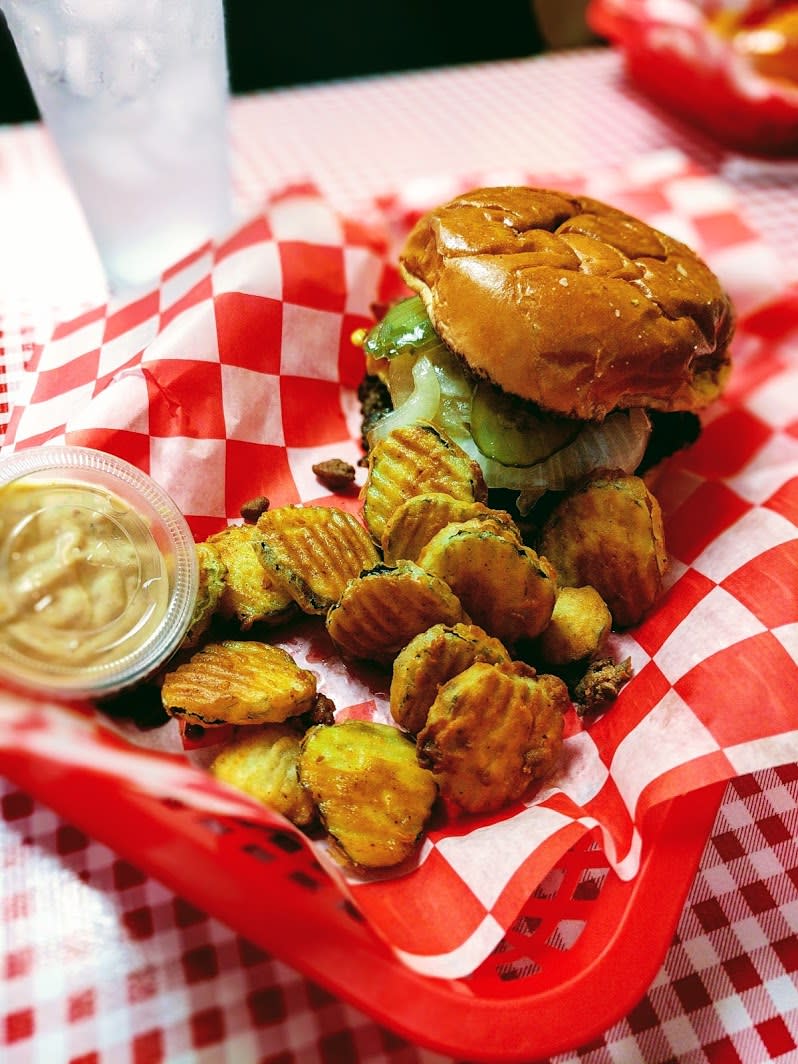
(570, 303)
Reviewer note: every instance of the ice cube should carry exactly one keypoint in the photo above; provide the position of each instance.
(185, 25)
(132, 64)
(111, 168)
(99, 12)
(44, 46)
(187, 101)
(37, 40)
(81, 69)
(151, 12)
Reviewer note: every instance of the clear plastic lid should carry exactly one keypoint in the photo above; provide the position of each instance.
(98, 572)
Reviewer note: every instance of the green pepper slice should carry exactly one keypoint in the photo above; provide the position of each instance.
(405, 327)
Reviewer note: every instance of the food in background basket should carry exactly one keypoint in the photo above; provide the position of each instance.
(767, 39)
(373, 796)
(729, 67)
(545, 325)
(250, 594)
(608, 533)
(412, 458)
(262, 762)
(381, 610)
(503, 584)
(491, 730)
(238, 682)
(429, 660)
(312, 551)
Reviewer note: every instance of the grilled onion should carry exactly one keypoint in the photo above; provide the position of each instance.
(422, 403)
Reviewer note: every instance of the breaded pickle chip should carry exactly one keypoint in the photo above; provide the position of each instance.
(413, 460)
(262, 762)
(578, 628)
(490, 731)
(373, 796)
(250, 595)
(312, 551)
(210, 588)
(238, 682)
(609, 534)
(429, 660)
(381, 610)
(413, 524)
(503, 585)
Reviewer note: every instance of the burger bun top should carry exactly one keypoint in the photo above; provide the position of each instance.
(570, 303)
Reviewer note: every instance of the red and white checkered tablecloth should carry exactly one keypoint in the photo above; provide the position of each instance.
(100, 962)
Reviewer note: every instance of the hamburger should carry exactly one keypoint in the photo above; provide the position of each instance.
(549, 335)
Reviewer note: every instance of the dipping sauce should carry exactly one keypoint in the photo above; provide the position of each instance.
(82, 581)
(97, 572)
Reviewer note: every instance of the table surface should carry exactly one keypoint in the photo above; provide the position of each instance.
(101, 963)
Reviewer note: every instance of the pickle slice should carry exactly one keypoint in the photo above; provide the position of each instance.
(404, 328)
(514, 432)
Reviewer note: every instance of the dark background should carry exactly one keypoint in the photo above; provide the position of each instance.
(293, 43)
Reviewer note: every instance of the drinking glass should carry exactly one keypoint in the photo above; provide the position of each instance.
(134, 93)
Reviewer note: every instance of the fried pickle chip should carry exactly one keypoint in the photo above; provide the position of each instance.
(413, 524)
(490, 731)
(380, 611)
(373, 796)
(210, 588)
(262, 762)
(578, 628)
(413, 460)
(312, 551)
(503, 585)
(429, 660)
(250, 595)
(238, 682)
(609, 534)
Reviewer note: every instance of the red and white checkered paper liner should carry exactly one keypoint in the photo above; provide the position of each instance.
(236, 374)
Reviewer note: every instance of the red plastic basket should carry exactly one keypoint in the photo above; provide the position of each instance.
(585, 945)
(688, 69)
(581, 953)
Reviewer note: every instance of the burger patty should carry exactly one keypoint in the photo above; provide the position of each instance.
(375, 400)
(670, 432)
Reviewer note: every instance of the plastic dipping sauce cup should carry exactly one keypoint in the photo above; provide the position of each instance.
(98, 573)
(134, 93)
